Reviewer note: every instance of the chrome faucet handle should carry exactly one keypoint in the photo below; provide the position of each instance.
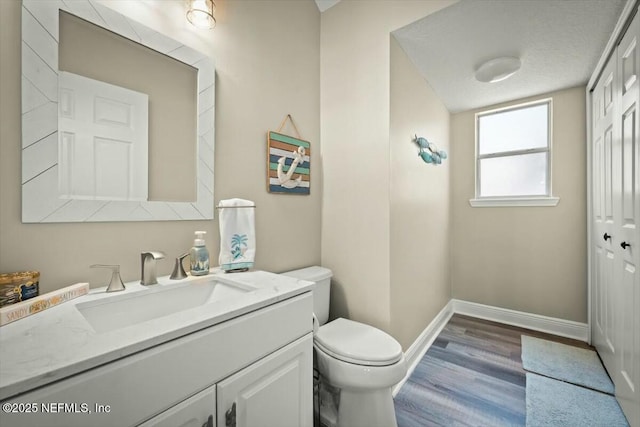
(153, 254)
(178, 270)
(115, 284)
(148, 263)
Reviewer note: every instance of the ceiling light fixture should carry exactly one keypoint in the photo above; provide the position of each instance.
(200, 13)
(498, 69)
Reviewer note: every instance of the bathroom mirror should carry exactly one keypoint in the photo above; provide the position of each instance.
(42, 179)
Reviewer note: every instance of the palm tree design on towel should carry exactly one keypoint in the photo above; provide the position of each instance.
(238, 245)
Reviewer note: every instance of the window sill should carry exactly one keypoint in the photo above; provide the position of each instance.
(497, 202)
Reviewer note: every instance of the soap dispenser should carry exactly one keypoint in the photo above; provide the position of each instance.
(199, 255)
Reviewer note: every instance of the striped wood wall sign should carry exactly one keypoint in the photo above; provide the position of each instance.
(288, 164)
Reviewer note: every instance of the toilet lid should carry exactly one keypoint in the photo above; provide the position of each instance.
(355, 342)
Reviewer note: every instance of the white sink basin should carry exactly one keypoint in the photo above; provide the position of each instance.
(119, 311)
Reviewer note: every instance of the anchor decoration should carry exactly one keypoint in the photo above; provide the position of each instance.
(429, 151)
(288, 161)
(285, 178)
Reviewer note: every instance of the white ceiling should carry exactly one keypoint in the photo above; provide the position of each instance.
(325, 4)
(558, 41)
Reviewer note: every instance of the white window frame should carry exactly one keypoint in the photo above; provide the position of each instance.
(510, 201)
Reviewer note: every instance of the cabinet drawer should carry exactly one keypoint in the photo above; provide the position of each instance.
(140, 386)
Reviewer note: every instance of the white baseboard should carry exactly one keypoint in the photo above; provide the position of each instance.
(417, 350)
(536, 322)
(551, 325)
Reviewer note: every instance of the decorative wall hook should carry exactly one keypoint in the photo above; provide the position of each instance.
(429, 151)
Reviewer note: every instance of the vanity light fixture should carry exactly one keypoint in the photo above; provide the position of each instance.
(498, 69)
(200, 13)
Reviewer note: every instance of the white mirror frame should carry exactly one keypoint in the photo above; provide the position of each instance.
(40, 201)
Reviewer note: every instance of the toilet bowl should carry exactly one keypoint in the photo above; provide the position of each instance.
(363, 362)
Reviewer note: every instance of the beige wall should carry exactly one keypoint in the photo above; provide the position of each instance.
(528, 259)
(267, 56)
(419, 198)
(387, 218)
(355, 97)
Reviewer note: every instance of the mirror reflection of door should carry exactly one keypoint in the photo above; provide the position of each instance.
(103, 150)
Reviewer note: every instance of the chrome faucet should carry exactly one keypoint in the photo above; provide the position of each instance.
(148, 261)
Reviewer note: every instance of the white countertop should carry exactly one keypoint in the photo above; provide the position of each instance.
(59, 342)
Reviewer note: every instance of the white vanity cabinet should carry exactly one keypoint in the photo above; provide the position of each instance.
(261, 361)
(274, 391)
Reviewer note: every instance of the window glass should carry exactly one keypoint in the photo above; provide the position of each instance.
(521, 175)
(520, 129)
(514, 151)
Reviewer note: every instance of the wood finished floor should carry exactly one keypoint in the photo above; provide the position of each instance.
(471, 375)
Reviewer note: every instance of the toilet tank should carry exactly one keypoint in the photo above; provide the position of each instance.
(322, 277)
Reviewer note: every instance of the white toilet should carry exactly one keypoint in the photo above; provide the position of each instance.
(362, 361)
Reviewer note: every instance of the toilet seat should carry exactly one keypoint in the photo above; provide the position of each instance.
(357, 343)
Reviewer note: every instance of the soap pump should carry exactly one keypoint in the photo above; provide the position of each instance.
(199, 255)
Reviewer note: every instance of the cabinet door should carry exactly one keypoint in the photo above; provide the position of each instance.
(197, 411)
(275, 391)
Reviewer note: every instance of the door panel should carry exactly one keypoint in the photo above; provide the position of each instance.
(604, 219)
(103, 132)
(628, 167)
(609, 176)
(628, 62)
(615, 185)
(627, 360)
(627, 376)
(598, 301)
(610, 310)
(597, 177)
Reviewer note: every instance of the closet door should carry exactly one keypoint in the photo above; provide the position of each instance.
(627, 375)
(604, 179)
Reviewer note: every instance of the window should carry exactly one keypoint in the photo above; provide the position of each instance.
(513, 156)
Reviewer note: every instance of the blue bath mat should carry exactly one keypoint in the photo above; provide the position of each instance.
(566, 363)
(556, 403)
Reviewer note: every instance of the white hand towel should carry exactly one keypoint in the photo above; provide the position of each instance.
(237, 234)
